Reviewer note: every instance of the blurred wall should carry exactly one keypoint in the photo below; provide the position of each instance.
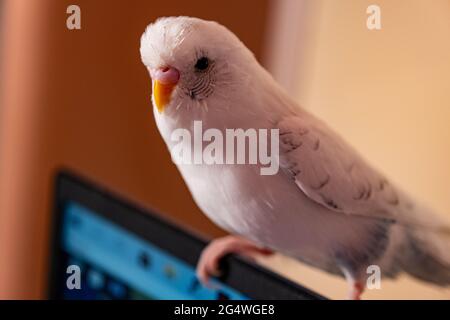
(386, 91)
(81, 99)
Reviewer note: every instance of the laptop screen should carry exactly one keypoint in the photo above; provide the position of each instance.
(116, 264)
(104, 247)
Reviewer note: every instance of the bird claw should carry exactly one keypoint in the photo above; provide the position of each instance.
(356, 290)
(209, 262)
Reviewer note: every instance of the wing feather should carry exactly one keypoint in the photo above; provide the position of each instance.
(331, 173)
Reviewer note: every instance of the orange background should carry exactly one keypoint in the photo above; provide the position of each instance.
(81, 99)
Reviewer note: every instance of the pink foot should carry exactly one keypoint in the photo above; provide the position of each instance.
(208, 264)
(356, 290)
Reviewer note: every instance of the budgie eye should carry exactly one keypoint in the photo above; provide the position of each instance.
(202, 63)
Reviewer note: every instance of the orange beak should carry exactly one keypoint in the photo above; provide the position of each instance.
(162, 94)
(164, 82)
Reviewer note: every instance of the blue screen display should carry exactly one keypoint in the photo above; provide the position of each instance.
(116, 264)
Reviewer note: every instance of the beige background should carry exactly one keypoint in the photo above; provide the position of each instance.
(388, 93)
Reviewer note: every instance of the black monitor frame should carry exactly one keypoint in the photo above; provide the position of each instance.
(246, 277)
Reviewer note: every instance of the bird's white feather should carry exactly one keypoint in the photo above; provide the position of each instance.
(327, 206)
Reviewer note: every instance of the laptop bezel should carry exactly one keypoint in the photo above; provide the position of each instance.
(244, 276)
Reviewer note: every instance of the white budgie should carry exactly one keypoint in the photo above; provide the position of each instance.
(326, 206)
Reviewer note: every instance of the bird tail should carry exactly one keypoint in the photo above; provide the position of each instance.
(427, 255)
